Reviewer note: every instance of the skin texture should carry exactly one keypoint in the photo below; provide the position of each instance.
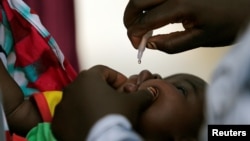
(202, 27)
(177, 113)
(17, 110)
(173, 101)
(153, 112)
(79, 110)
(22, 114)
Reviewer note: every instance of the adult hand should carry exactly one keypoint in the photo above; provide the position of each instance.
(90, 97)
(207, 23)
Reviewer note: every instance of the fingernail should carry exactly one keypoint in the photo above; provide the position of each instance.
(151, 45)
(154, 91)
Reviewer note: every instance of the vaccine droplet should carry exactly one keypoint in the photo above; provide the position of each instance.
(139, 61)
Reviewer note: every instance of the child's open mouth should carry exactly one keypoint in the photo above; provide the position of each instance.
(154, 91)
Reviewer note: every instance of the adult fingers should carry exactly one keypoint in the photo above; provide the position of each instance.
(138, 102)
(144, 98)
(178, 41)
(136, 7)
(111, 76)
(156, 17)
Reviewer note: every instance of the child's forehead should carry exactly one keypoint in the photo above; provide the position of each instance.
(181, 77)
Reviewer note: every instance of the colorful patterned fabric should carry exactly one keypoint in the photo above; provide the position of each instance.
(30, 53)
(33, 57)
(46, 103)
(41, 132)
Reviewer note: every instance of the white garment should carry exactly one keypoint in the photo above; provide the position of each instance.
(113, 128)
(228, 96)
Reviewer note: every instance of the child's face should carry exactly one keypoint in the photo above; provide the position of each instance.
(177, 112)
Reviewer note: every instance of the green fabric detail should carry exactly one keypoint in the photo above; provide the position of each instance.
(42, 132)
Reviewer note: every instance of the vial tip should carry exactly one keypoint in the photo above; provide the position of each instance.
(139, 61)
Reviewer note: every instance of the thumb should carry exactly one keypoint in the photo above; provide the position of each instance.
(176, 42)
(144, 98)
(138, 103)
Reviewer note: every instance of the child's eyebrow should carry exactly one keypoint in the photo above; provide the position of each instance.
(192, 84)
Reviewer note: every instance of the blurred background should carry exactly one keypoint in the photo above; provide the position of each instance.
(91, 32)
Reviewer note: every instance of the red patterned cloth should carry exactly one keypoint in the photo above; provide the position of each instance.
(29, 50)
(36, 51)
